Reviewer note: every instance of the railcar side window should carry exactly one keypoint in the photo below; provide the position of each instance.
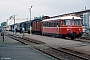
(47, 24)
(50, 24)
(44, 24)
(55, 23)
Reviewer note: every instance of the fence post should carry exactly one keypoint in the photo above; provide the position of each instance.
(3, 36)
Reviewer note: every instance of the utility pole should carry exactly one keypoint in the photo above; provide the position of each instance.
(14, 20)
(30, 19)
(85, 7)
(13, 16)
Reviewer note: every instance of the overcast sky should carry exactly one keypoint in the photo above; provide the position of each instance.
(40, 7)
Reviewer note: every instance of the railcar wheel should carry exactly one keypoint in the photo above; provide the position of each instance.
(42, 34)
(63, 36)
(72, 38)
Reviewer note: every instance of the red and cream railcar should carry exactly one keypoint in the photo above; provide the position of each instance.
(67, 26)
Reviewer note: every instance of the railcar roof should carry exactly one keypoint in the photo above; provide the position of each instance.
(62, 18)
(37, 20)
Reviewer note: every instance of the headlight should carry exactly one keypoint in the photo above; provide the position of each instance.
(67, 29)
(79, 29)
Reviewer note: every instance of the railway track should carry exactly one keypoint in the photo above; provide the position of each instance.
(83, 40)
(57, 53)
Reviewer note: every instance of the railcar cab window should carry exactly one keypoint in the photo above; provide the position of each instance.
(73, 22)
(67, 22)
(78, 22)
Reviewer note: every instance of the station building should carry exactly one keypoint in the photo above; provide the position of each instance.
(79, 14)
